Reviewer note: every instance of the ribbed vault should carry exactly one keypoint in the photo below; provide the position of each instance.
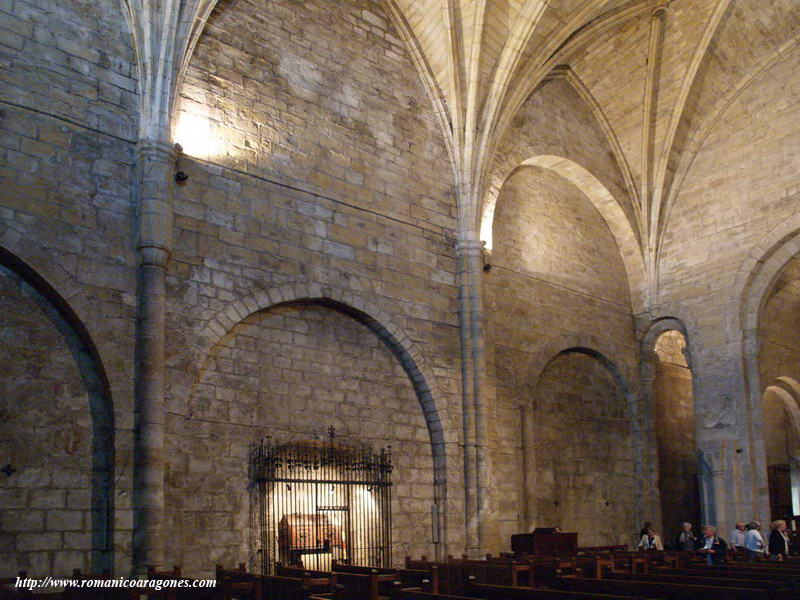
(659, 72)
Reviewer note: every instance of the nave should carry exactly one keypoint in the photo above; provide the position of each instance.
(576, 573)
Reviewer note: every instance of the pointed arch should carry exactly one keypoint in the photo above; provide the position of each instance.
(603, 201)
(788, 393)
(622, 374)
(442, 435)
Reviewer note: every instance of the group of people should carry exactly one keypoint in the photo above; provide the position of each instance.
(745, 540)
(747, 536)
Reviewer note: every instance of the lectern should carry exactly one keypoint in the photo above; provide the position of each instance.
(545, 542)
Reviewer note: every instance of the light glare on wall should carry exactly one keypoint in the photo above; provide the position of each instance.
(193, 132)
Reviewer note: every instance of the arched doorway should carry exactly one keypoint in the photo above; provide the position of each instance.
(779, 372)
(781, 409)
(56, 432)
(290, 371)
(582, 451)
(674, 421)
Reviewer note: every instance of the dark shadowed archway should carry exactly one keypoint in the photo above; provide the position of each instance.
(95, 383)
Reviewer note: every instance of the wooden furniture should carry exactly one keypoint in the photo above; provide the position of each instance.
(666, 591)
(426, 579)
(545, 543)
(777, 590)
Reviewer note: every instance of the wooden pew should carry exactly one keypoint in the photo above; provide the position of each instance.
(274, 587)
(733, 575)
(317, 582)
(594, 565)
(235, 583)
(357, 586)
(454, 575)
(490, 592)
(545, 569)
(427, 579)
(419, 595)
(238, 583)
(497, 571)
(727, 569)
(667, 591)
(593, 549)
(777, 567)
(777, 590)
(497, 592)
(168, 592)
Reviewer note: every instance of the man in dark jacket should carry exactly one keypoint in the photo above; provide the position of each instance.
(778, 542)
(712, 547)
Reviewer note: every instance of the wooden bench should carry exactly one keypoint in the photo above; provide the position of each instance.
(773, 567)
(454, 575)
(497, 592)
(497, 571)
(237, 583)
(597, 566)
(317, 582)
(175, 587)
(728, 571)
(419, 595)
(274, 587)
(234, 584)
(793, 581)
(428, 579)
(667, 591)
(545, 569)
(358, 586)
(777, 590)
(489, 592)
(617, 548)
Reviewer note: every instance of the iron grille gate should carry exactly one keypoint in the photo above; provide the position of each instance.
(313, 502)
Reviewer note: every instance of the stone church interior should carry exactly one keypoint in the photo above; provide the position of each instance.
(475, 289)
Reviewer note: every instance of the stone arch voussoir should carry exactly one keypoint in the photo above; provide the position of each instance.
(600, 197)
(369, 313)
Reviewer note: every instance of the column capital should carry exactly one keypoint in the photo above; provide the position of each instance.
(153, 256)
(155, 150)
(156, 178)
(469, 244)
(661, 11)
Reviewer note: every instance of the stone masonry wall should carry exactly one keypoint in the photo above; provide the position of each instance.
(45, 434)
(68, 111)
(324, 99)
(742, 184)
(554, 120)
(780, 442)
(329, 174)
(779, 350)
(291, 372)
(675, 436)
(557, 281)
(582, 452)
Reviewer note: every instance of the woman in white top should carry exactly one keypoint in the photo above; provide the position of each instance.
(650, 541)
(753, 542)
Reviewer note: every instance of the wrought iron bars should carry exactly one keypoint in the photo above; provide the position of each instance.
(312, 502)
